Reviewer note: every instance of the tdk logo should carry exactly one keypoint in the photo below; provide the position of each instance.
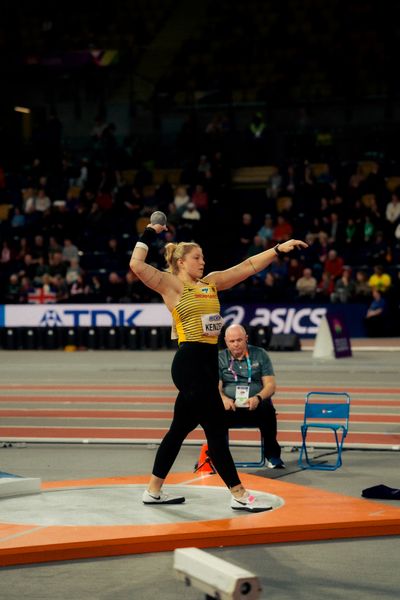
(117, 318)
(51, 318)
(90, 318)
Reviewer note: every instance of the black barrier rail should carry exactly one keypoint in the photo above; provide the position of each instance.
(121, 338)
(90, 338)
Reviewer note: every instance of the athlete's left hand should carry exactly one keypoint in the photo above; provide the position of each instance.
(291, 245)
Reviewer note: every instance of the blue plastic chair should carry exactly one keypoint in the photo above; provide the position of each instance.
(325, 410)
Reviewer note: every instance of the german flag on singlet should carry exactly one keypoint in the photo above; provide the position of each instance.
(196, 302)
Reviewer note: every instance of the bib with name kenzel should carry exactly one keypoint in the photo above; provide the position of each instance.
(196, 316)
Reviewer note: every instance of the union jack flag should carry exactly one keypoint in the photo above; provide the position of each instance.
(43, 295)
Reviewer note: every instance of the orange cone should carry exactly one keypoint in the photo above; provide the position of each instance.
(204, 464)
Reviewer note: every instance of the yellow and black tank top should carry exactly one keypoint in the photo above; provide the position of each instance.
(197, 301)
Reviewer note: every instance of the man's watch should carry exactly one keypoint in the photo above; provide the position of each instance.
(277, 251)
(259, 397)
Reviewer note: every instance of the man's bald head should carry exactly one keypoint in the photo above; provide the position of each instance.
(236, 340)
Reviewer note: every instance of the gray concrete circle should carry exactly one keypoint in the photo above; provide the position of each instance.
(121, 505)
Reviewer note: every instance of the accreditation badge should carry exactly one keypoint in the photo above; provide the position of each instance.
(242, 396)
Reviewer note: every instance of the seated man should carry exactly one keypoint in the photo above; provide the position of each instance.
(247, 382)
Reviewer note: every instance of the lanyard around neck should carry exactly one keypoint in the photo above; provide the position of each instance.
(232, 370)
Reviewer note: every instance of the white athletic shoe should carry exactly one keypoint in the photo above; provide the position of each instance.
(249, 503)
(162, 498)
(275, 463)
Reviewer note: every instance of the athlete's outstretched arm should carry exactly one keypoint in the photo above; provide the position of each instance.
(250, 266)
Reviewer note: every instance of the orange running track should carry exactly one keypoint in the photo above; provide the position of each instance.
(123, 413)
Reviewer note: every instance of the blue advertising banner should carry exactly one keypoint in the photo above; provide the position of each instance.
(302, 319)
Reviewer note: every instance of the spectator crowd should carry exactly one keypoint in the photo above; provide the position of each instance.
(67, 231)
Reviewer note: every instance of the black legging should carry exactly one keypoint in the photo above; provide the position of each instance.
(195, 374)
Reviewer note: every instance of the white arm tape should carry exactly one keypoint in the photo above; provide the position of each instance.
(141, 245)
